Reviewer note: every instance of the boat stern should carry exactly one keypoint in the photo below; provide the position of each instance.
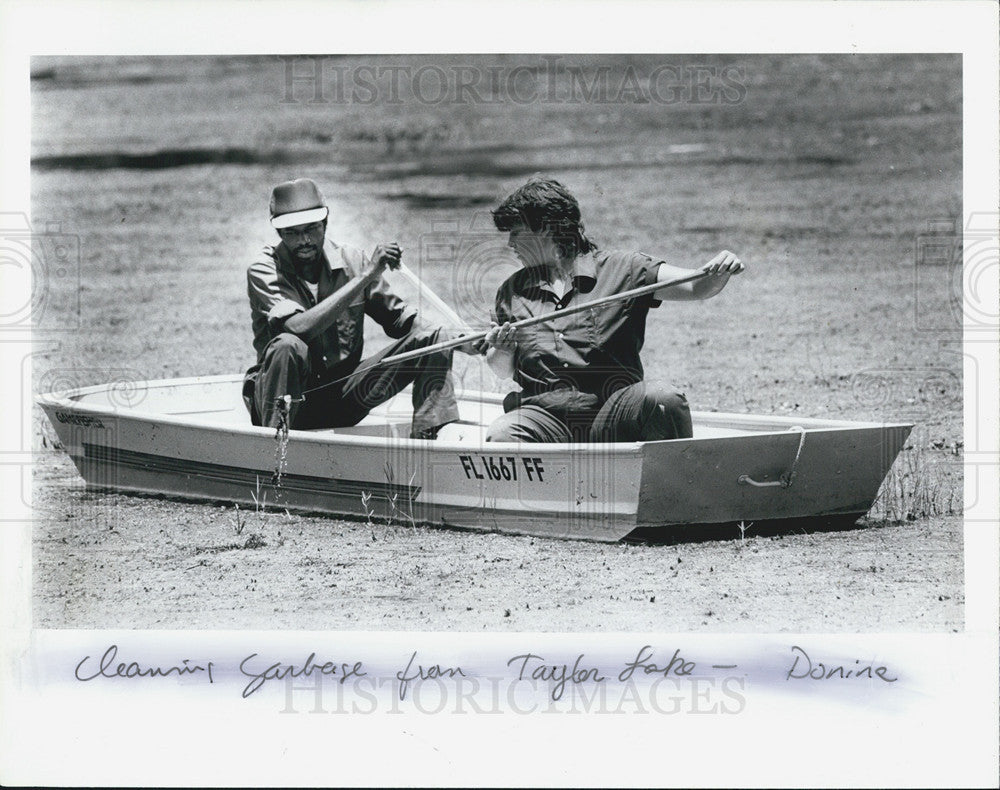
(809, 471)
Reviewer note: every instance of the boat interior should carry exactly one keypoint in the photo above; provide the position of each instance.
(217, 400)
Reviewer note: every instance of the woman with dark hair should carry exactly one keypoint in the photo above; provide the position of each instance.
(581, 377)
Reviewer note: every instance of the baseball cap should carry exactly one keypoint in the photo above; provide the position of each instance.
(297, 202)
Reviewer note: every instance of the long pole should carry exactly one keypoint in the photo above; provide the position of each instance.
(538, 319)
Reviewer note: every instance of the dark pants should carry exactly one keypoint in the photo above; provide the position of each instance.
(637, 413)
(286, 369)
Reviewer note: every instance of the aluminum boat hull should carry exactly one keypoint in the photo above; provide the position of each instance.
(192, 438)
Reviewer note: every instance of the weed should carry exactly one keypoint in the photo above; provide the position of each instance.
(743, 532)
(391, 495)
(366, 498)
(394, 510)
(912, 491)
(259, 497)
(254, 541)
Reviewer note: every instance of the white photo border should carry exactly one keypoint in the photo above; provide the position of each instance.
(53, 731)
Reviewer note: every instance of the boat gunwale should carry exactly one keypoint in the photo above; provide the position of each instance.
(68, 400)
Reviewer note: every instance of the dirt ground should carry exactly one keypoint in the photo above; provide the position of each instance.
(831, 176)
(146, 563)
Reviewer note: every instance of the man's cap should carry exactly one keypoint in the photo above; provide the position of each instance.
(297, 202)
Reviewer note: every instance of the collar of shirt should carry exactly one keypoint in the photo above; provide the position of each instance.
(333, 263)
(584, 279)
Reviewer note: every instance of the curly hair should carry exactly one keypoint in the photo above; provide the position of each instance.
(545, 204)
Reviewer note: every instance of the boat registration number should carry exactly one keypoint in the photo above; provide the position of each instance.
(501, 467)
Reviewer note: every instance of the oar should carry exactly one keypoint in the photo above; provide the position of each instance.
(536, 319)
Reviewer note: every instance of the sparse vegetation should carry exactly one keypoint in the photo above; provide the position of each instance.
(259, 497)
(253, 540)
(913, 491)
(395, 513)
(366, 498)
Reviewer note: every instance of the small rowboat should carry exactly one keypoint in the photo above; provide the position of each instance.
(192, 438)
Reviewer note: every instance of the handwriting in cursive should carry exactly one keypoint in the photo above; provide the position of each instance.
(107, 669)
(560, 673)
(406, 676)
(820, 671)
(279, 671)
(676, 664)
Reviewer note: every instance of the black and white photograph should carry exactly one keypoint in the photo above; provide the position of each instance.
(790, 409)
(509, 343)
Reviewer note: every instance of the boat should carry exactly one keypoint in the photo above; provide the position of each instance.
(192, 438)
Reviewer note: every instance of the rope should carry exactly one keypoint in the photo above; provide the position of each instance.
(785, 481)
(789, 476)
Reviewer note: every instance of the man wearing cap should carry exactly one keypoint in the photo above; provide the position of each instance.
(308, 299)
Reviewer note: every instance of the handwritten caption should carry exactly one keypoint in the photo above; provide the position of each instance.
(255, 671)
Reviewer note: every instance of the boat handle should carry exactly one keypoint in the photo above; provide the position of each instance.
(785, 481)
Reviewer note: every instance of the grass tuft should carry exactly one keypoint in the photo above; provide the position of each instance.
(912, 490)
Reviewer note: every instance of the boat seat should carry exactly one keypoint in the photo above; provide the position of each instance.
(462, 431)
